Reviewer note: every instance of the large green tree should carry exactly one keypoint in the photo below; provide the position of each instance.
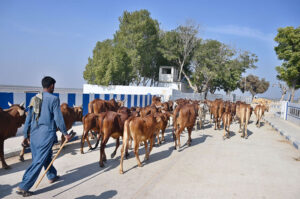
(253, 84)
(108, 66)
(138, 34)
(217, 66)
(178, 46)
(288, 50)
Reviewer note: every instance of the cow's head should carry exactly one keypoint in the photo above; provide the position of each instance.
(79, 112)
(17, 108)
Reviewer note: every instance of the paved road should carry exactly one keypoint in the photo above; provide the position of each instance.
(263, 166)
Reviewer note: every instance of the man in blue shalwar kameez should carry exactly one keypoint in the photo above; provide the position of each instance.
(43, 119)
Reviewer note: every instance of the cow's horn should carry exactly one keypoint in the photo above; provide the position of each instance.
(22, 104)
(9, 104)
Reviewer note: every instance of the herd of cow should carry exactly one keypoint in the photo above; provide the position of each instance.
(108, 118)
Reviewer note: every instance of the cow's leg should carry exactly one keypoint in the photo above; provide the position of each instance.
(102, 147)
(117, 146)
(21, 156)
(146, 150)
(228, 131)
(224, 135)
(150, 148)
(136, 152)
(82, 141)
(216, 121)
(4, 165)
(130, 143)
(62, 139)
(124, 150)
(88, 141)
(190, 136)
(177, 134)
(163, 134)
(158, 140)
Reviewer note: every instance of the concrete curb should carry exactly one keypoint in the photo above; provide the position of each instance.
(291, 139)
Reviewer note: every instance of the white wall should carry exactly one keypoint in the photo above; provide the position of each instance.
(138, 90)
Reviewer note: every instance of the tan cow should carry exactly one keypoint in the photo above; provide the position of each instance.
(259, 112)
(227, 119)
(243, 113)
(140, 129)
(184, 117)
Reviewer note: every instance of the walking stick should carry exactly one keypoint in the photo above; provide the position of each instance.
(72, 134)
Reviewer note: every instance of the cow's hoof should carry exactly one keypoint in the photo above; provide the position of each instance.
(175, 148)
(91, 149)
(246, 137)
(6, 167)
(81, 152)
(21, 158)
(146, 158)
(113, 155)
(101, 165)
(121, 172)
(140, 165)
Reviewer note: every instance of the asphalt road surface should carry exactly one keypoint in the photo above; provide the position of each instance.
(262, 166)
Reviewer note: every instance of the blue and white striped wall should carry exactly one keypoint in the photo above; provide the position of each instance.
(77, 99)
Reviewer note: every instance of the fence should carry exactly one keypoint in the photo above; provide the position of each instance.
(76, 99)
(197, 96)
(287, 111)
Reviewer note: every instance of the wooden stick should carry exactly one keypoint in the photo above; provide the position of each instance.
(61, 147)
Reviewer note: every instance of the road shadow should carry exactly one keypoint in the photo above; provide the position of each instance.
(105, 195)
(72, 148)
(195, 142)
(6, 190)
(80, 175)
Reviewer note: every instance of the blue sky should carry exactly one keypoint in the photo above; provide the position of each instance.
(39, 38)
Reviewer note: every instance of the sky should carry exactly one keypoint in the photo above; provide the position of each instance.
(39, 38)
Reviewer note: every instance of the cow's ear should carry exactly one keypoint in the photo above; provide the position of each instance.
(9, 104)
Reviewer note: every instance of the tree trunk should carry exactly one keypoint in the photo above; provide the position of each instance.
(179, 78)
(205, 94)
(190, 83)
(292, 93)
(282, 96)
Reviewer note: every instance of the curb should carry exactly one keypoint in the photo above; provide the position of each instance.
(289, 138)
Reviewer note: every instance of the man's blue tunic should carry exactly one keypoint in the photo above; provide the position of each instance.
(42, 138)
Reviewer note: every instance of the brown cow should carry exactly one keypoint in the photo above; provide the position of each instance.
(259, 112)
(217, 109)
(227, 119)
(156, 101)
(184, 117)
(243, 113)
(70, 115)
(140, 129)
(163, 125)
(10, 120)
(90, 122)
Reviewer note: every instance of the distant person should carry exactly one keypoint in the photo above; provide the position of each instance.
(43, 119)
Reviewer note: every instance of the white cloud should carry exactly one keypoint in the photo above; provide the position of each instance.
(242, 32)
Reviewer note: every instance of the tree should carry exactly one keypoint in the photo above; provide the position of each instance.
(218, 66)
(288, 50)
(138, 35)
(283, 89)
(178, 46)
(254, 85)
(109, 65)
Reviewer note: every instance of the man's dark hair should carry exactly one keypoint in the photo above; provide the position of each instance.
(48, 81)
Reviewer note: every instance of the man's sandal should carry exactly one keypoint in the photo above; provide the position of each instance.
(56, 178)
(24, 193)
